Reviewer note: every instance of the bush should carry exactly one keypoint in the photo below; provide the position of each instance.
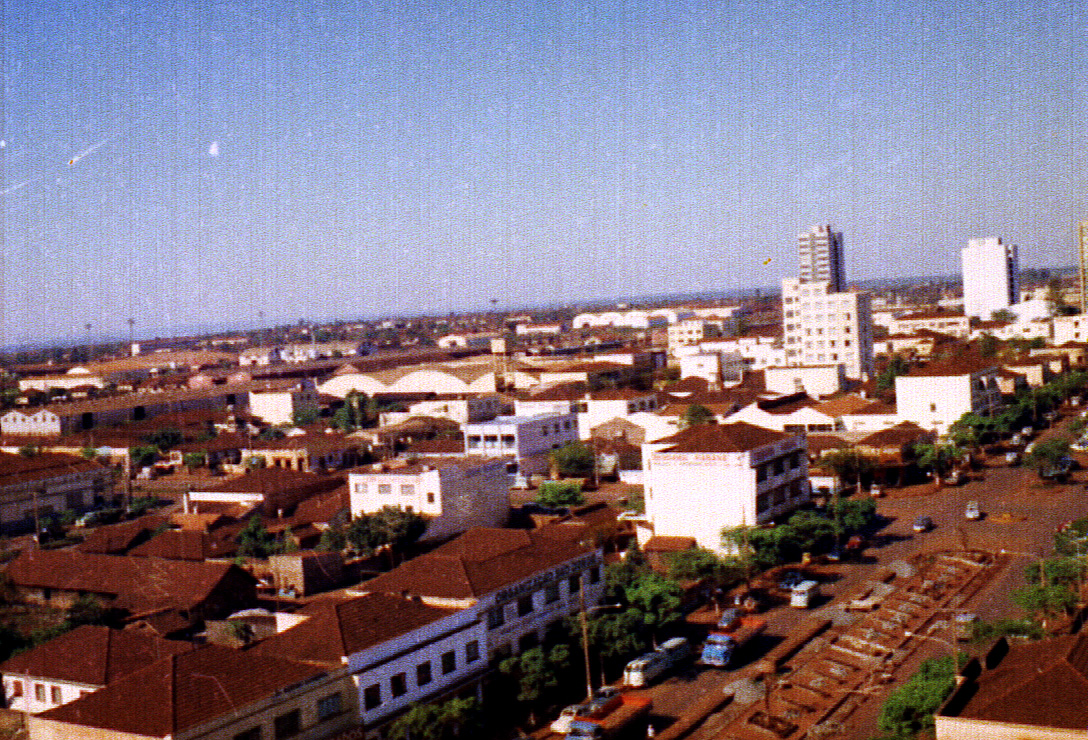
(560, 494)
(910, 708)
(573, 460)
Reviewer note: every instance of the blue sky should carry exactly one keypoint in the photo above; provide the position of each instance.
(200, 162)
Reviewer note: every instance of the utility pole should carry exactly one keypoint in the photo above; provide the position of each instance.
(585, 632)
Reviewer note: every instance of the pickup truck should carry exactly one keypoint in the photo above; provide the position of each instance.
(721, 645)
(632, 709)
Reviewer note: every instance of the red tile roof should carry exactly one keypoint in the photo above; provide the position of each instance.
(335, 629)
(479, 562)
(93, 655)
(178, 544)
(183, 691)
(738, 437)
(1040, 684)
(17, 469)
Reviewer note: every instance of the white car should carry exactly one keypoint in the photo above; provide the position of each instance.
(1081, 445)
(972, 511)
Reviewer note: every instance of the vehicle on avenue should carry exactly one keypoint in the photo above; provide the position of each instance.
(922, 524)
(972, 511)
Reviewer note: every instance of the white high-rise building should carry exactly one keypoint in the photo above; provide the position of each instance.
(991, 273)
(825, 327)
(820, 257)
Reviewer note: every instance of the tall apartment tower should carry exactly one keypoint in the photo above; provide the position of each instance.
(1082, 263)
(820, 257)
(991, 277)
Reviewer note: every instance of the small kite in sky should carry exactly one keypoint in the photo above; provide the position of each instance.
(767, 261)
(89, 150)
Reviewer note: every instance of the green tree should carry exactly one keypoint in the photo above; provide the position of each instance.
(163, 439)
(696, 414)
(537, 674)
(573, 460)
(554, 493)
(849, 466)
(1047, 454)
(856, 514)
(143, 456)
(399, 528)
(29, 450)
(910, 708)
(938, 458)
(88, 453)
(1003, 314)
(700, 564)
(656, 600)
(1047, 602)
(303, 417)
(896, 366)
(333, 538)
(254, 540)
(87, 609)
(455, 718)
(193, 460)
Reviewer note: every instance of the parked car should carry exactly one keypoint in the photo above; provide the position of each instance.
(954, 478)
(963, 625)
(876, 491)
(972, 511)
(1017, 439)
(1012, 457)
(789, 579)
(1081, 445)
(923, 524)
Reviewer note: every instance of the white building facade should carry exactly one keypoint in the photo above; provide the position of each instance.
(528, 439)
(822, 327)
(711, 477)
(820, 257)
(453, 495)
(934, 398)
(991, 272)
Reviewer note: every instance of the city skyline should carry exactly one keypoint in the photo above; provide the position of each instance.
(183, 164)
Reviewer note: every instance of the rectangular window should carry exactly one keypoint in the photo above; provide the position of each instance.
(573, 585)
(287, 725)
(16, 689)
(472, 651)
(372, 696)
(360, 487)
(778, 466)
(551, 592)
(253, 733)
(430, 498)
(398, 685)
(508, 440)
(330, 706)
(423, 674)
(525, 605)
(496, 617)
(407, 489)
(761, 473)
(595, 574)
(473, 441)
(449, 662)
(54, 694)
(385, 488)
(39, 692)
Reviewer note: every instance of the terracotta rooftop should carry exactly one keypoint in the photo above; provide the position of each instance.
(785, 404)
(820, 443)
(183, 691)
(662, 543)
(738, 437)
(438, 446)
(117, 539)
(93, 655)
(334, 629)
(16, 469)
(267, 479)
(959, 363)
(1039, 684)
(178, 544)
(480, 561)
(140, 584)
(897, 436)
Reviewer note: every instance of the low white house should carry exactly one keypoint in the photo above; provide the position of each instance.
(935, 396)
(592, 408)
(397, 650)
(818, 381)
(453, 494)
(277, 403)
(711, 477)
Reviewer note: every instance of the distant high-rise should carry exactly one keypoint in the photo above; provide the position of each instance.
(991, 277)
(819, 254)
(1082, 262)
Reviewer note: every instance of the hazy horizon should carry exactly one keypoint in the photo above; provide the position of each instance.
(196, 163)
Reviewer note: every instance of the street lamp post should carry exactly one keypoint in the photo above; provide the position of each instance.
(582, 613)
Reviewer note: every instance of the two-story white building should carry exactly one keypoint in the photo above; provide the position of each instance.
(452, 494)
(711, 477)
(397, 650)
(528, 439)
(521, 583)
(592, 408)
(935, 396)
